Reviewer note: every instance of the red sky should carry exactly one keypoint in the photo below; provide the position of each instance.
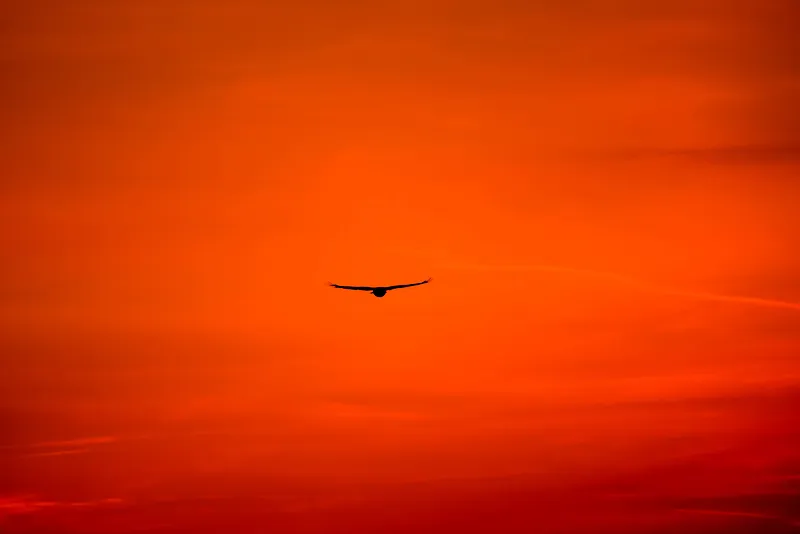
(604, 192)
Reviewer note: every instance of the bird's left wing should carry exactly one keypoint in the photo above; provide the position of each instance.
(400, 286)
(355, 288)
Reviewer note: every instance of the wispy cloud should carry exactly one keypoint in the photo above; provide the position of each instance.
(342, 410)
(66, 452)
(740, 154)
(28, 504)
(630, 282)
(790, 521)
(78, 442)
(732, 513)
(65, 447)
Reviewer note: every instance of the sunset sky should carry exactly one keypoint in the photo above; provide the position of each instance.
(605, 193)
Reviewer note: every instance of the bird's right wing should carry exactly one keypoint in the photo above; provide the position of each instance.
(355, 288)
(400, 286)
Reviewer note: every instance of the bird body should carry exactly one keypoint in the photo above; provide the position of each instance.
(379, 291)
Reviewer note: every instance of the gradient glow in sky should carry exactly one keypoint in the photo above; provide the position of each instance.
(604, 193)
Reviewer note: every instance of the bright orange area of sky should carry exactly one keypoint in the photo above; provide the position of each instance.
(605, 194)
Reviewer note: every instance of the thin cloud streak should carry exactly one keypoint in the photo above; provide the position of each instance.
(77, 444)
(632, 282)
(734, 513)
(98, 440)
(26, 504)
(67, 452)
(743, 154)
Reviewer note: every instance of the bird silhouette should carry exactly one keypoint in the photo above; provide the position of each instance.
(379, 291)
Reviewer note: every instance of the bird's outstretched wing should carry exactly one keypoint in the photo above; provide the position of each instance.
(355, 288)
(400, 286)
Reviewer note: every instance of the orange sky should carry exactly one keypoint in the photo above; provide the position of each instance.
(604, 192)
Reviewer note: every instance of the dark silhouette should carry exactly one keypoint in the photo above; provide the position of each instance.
(379, 291)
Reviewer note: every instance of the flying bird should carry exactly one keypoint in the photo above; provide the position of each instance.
(379, 291)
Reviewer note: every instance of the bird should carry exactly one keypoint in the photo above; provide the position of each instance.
(379, 291)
